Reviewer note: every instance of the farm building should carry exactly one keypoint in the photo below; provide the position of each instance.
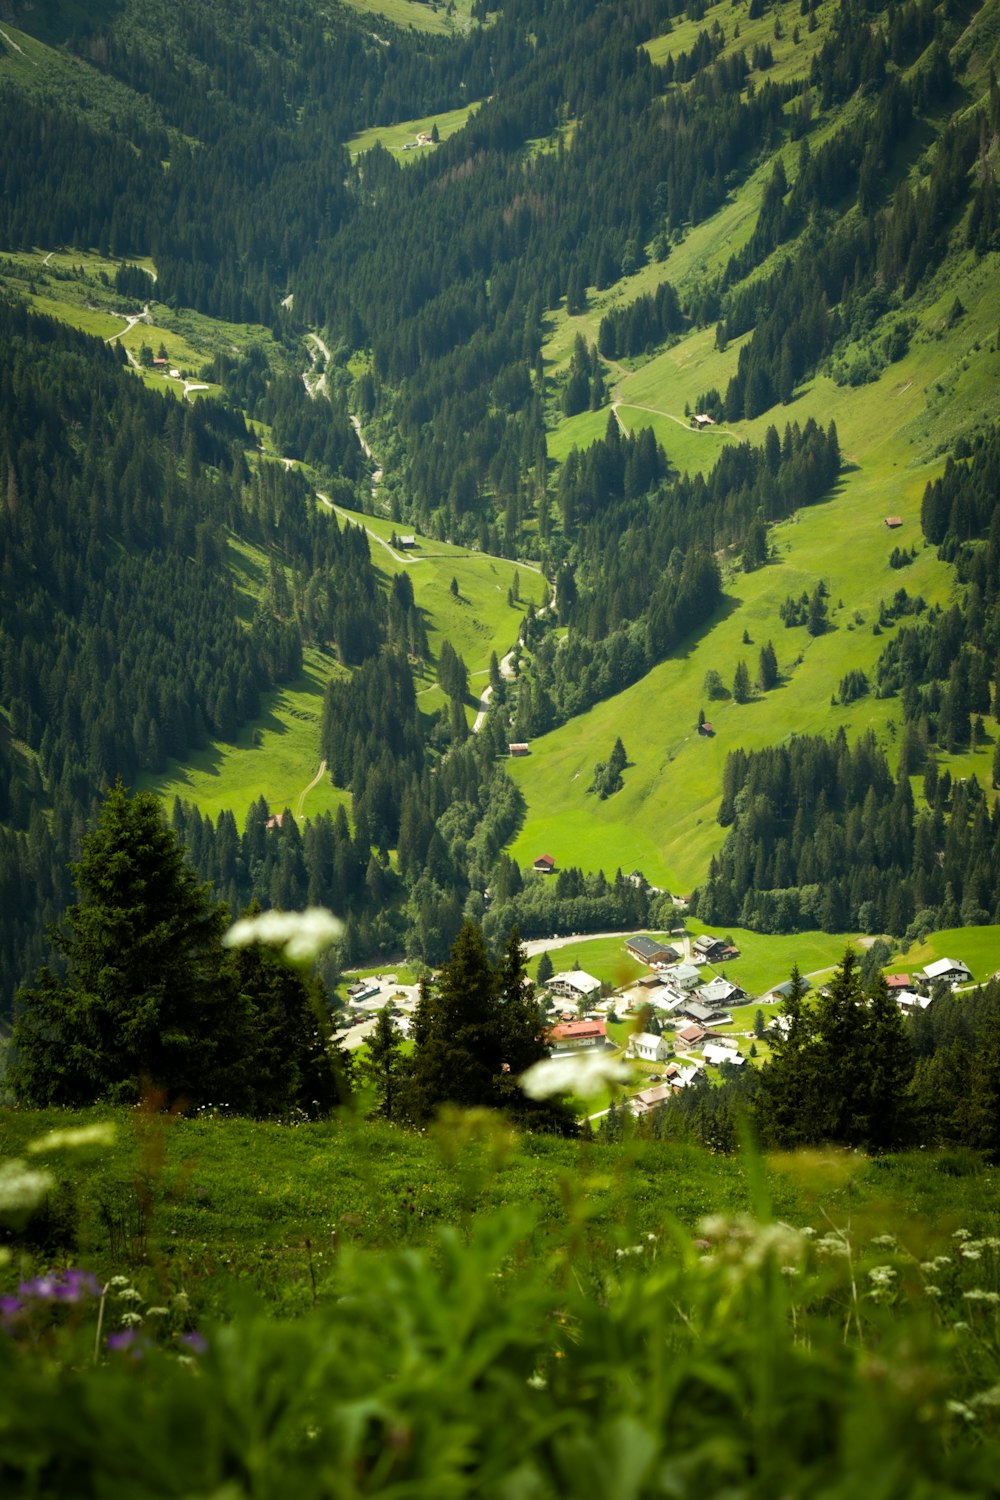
(651, 951)
(544, 864)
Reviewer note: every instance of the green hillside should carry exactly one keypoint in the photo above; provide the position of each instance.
(894, 433)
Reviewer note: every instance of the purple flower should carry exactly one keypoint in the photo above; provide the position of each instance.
(127, 1338)
(10, 1307)
(195, 1341)
(71, 1286)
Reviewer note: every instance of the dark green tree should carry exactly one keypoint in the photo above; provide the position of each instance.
(145, 1001)
(840, 1070)
(767, 670)
(383, 1064)
(545, 969)
(741, 683)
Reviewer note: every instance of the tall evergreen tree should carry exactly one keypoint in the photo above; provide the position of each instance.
(145, 1001)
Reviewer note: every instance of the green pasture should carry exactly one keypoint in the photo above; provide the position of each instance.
(276, 755)
(419, 16)
(791, 59)
(977, 947)
(397, 137)
(478, 621)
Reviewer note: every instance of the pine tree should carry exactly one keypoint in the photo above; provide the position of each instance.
(384, 1065)
(741, 683)
(145, 1002)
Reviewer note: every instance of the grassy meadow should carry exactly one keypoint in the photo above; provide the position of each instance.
(397, 138)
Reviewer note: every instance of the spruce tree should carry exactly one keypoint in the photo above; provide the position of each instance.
(384, 1065)
(145, 1002)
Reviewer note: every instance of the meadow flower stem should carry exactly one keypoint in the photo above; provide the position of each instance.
(100, 1324)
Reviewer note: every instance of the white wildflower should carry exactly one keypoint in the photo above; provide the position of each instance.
(961, 1327)
(129, 1294)
(118, 1281)
(970, 1253)
(22, 1189)
(882, 1276)
(932, 1291)
(73, 1137)
(885, 1241)
(941, 1260)
(978, 1295)
(959, 1409)
(131, 1319)
(961, 1234)
(301, 935)
(833, 1244)
(629, 1250)
(582, 1073)
(987, 1398)
(181, 1301)
(157, 1312)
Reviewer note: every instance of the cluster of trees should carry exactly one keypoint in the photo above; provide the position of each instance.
(640, 325)
(608, 773)
(822, 835)
(148, 1001)
(943, 666)
(476, 1029)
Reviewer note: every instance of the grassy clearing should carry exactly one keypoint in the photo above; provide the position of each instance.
(277, 756)
(791, 59)
(417, 15)
(397, 138)
(977, 947)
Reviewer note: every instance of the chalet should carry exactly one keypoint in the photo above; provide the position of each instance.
(701, 420)
(158, 361)
(951, 970)
(650, 951)
(706, 729)
(720, 992)
(707, 948)
(648, 1047)
(782, 991)
(729, 953)
(893, 521)
(519, 749)
(909, 1001)
(691, 1035)
(406, 541)
(544, 864)
(274, 821)
(896, 983)
(683, 976)
(574, 984)
(716, 1054)
(706, 1015)
(577, 1036)
(650, 1099)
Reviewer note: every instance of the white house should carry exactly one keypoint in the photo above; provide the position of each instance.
(648, 1047)
(715, 1054)
(951, 970)
(574, 984)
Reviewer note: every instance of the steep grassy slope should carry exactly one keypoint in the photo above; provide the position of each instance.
(893, 434)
